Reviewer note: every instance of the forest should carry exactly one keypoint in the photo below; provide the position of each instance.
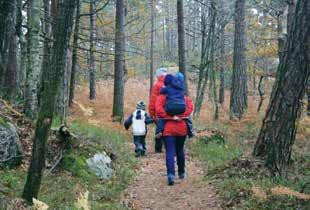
(100, 101)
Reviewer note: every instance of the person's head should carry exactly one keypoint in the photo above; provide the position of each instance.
(179, 76)
(161, 72)
(168, 79)
(140, 105)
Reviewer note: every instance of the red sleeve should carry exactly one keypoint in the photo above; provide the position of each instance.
(154, 94)
(189, 108)
(160, 107)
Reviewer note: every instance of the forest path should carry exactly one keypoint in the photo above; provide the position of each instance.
(150, 191)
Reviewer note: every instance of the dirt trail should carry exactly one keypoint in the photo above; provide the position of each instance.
(149, 191)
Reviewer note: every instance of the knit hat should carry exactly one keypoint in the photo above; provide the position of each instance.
(160, 72)
(168, 79)
(179, 76)
(140, 105)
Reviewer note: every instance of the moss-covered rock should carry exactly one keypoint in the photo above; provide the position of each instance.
(76, 164)
(11, 151)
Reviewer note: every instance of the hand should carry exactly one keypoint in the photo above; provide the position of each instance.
(176, 118)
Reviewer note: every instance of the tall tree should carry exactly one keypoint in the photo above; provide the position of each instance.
(92, 45)
(4, 26)
(222, 64)
(33, 58)
(152, 43)
(9, 84)
(278, 131)
(181, 41)
(74, 52)
(238, 98)
(50, 87)
(119, 61)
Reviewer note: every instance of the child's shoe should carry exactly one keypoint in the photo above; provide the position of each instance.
(182, 175)
(158, 135)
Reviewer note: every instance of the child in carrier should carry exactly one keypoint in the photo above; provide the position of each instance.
(175, 102)
(139, 119)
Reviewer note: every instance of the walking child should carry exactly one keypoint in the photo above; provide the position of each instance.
(138, 120)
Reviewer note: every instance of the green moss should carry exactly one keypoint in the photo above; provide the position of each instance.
(76, 164)
(3, 123)
(60, 190)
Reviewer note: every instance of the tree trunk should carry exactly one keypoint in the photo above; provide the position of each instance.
(74, 53)
(152, 44)
(278, 131)
(181, 41)
(20, 77)
(206, 57)
(119, 62)
(92, 46)
(4, 37)
(261, 93)
(308, 94)
(238, 98)
(33, 61)
(9, 84)
(222, 66)
(50, 87)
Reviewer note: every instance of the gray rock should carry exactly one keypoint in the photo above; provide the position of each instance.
(11, 151)
(100, 164)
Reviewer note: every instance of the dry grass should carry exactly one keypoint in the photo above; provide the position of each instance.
(99, 111)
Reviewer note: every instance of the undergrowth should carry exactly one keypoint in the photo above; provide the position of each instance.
(60, 190)
(228, 165)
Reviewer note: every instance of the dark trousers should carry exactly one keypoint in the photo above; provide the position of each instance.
(175, 147)
(139, 142)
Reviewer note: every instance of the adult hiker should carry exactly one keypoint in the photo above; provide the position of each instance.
(174, 135)
(155, 91)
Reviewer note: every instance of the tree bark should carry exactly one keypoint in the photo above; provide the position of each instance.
(33, 61)
(222, 65)
(92, 46)
(9, 84)
(152, 44)
(50, 87)
(238, 98)
(4, 37)
(181, 42)
(119, 62)
(74, 53)
(278, 131)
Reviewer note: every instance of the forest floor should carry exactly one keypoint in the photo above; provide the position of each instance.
(218, 176)
(149, 190)
(222, 174)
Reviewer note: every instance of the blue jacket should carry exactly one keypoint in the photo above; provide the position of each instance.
(174, 92)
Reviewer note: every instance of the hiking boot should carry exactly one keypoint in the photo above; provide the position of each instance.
(170, 180)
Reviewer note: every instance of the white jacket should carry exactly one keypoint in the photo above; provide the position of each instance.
(138, 123)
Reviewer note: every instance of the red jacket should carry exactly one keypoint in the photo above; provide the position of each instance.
(172, 127)
(154, 94)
